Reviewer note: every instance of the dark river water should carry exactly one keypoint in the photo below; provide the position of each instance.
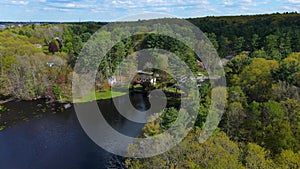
(58, 141)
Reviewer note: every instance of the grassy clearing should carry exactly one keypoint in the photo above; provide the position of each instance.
(173, 90)
(100, 96)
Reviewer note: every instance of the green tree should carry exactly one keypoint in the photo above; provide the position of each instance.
(85, 36)
(238, 44)
(217, 152)
(256, 79)
(285, 47)
(288, 160)
(255, 42)
(261, 53)
(253, 123)
(235, 66)
(278, 131)
(288, 69)
(21, 32)
(213, 39)
(77, 44)
(291, 110)
(236, 94)
(235, 116)
(224, 46)
(28, 34)
(271, 112)
(257, 157)
(7, 63)
(279, 137)
(271, 46)
(151, 129)
(168, 118)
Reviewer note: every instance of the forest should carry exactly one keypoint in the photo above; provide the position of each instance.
(261, 124)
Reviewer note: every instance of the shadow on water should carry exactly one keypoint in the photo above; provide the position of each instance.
(58, 141)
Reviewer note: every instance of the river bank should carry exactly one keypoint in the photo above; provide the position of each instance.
(38, 108)
(11, 114)
(100, 95)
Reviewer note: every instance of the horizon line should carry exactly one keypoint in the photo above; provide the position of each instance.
(98, 21)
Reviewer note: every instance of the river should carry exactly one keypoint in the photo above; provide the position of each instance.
(58, 141)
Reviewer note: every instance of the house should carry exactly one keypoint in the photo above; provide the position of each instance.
(147, 76)
(50, 64)
(201, 64)
(3, 26)
(111, 80)
(38, 45)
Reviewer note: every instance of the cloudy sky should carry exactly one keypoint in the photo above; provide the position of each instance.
(112, 10)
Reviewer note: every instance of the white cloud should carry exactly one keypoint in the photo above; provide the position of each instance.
(118, 2)
(187, 2)
(69, 5)
(228, 3)
(56, 9)
(247, 3)
(162, 9)
(19, 2)
(293, 1)
(290, 8)
(155, 3)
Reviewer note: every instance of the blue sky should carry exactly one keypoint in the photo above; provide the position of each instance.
(112, 10)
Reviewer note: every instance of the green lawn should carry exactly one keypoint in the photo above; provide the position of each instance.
(138, 87)
(100, 96)
(173, 90)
